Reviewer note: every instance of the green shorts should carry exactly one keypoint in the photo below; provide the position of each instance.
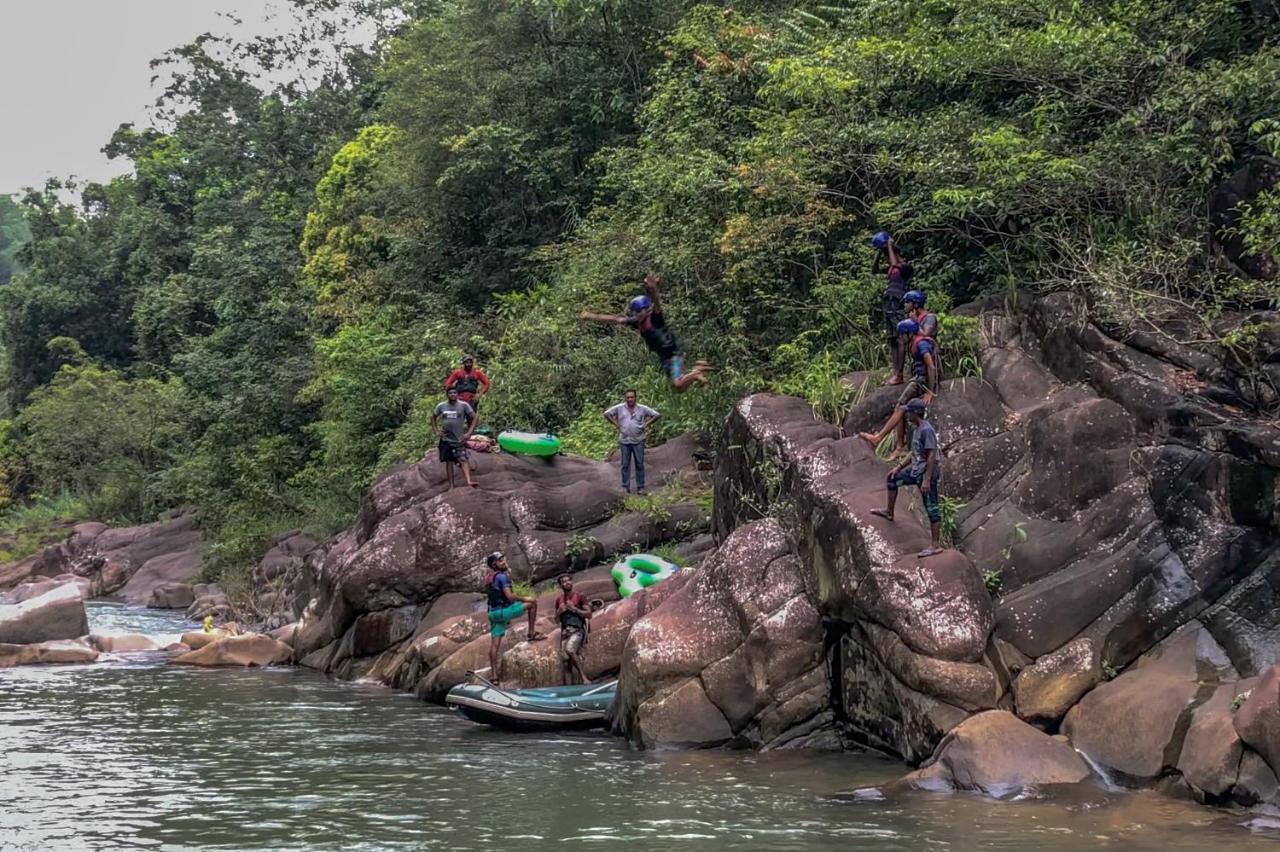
(499, 618)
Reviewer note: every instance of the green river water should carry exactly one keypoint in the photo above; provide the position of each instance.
(136, 754)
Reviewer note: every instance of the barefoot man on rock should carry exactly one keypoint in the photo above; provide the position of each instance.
(922, 469)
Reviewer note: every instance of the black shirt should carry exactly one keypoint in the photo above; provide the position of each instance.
(660, 339)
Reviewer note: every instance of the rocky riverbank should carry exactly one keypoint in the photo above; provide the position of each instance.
(1109, 592)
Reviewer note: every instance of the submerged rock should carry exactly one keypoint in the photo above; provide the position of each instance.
(58, 651)
(253, 649)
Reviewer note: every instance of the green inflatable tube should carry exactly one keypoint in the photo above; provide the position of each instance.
(640, 571)
(528, 443)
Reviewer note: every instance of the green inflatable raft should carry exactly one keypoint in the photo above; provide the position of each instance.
(528, 443)
(640, 571)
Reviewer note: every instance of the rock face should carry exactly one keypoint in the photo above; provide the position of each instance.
(52, 615)
(415, 542)
(146, 565)
(252, 649)
(1110, 492)
(998, 754)
(735, 654)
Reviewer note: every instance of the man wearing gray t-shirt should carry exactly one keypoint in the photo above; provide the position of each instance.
(631, 420)
(453, 422)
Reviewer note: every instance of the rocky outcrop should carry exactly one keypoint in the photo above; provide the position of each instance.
(415, 542)
(735, 654)
(145, 565)
(252, 649)
(51, 615)
(1109, 491)
(998, 754)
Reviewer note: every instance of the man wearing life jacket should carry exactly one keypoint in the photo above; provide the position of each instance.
(913, 302)
(470, 382)
(899, 279)
(504, 607)
(923, 383)
(644, 314)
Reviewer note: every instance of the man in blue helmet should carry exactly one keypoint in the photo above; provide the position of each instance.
(644, 314)
(891, 301)
(923, 383)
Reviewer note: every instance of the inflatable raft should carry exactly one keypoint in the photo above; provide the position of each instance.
(640, 571)
(529, 443)
(552, 708)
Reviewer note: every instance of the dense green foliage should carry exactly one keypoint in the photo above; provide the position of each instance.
(13, 233)
(260, 316)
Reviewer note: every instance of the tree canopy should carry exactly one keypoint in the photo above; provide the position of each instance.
(264, 309)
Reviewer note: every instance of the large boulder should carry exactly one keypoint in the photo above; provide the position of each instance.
(124, 643)
(998, 754)
(251, 649)
(731, 653)
(1257, 722)
(55, 614)
(1133, 727)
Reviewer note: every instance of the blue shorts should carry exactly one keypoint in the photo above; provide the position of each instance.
(499, 618)
(930, 495)
(673, 367)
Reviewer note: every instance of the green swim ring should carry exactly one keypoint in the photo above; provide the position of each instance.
(640, 571)
(529, 443)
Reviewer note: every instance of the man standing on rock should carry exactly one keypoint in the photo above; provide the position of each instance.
(900, 275)
(923, 469)
(573, 610)
(631, 421)
(504, 607)
(470, 382)
(459, 421)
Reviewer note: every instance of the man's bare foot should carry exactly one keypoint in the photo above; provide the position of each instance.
(535, 637)
(892, 380)
(869, 438)
(474, 484)
(929, 551)
(883, 513)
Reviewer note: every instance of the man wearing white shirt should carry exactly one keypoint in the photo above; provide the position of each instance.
(631, 420)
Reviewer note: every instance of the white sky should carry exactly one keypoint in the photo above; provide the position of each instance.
(71, 71)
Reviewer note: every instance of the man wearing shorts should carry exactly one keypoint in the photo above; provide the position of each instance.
(453, 422)
(573, 611)
(922, 469)
(504, 607)
(644, 314)
(923, 384)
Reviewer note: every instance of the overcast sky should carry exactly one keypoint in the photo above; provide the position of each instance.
(73, 70)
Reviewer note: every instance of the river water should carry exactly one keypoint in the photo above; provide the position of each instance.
(132, 753)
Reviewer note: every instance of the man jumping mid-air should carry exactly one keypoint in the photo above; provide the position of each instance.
(644, 314)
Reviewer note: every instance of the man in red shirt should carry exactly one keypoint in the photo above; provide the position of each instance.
(470, 382)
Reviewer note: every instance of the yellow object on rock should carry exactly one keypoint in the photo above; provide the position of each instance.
(208, 624)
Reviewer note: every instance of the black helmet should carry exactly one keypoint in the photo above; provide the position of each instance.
(493, 558)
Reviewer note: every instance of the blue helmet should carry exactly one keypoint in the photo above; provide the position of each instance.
(915, 297)
(638, 304)
(880, 240)
(908, 326)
